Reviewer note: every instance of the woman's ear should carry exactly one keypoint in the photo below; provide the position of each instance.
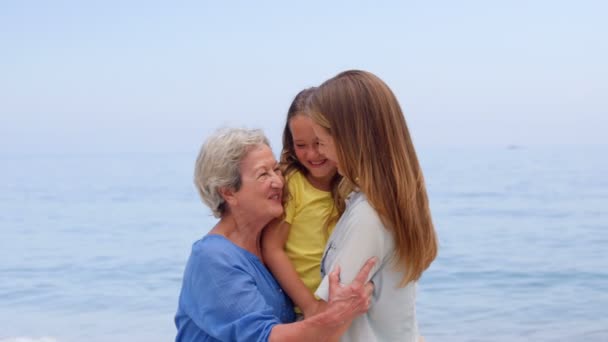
(228, 195)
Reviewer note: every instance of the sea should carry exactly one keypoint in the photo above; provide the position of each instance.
(93, 246)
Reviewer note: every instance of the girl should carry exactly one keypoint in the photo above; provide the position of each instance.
(292, 248)
(361, 127)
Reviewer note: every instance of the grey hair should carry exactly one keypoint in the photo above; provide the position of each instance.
(218, 163)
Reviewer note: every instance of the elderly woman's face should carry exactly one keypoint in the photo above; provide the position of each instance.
(261, 185)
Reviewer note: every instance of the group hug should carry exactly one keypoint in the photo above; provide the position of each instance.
(325, 244)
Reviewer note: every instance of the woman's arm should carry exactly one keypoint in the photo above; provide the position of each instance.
(273, 250)
(345, 303)
(225, 302)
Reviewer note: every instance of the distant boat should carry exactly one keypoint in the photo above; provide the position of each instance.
(514, 147)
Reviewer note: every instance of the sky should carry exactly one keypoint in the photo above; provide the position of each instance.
(150, 76)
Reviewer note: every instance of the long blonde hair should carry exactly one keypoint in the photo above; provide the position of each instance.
(376, 154)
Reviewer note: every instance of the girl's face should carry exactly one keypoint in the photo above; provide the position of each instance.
(306, 146)
(326, 144)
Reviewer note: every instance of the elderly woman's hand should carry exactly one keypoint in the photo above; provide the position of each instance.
(345, 303)
(348, 301)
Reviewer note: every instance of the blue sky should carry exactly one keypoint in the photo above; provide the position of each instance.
(108, 76)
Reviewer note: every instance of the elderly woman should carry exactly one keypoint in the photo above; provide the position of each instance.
(227, 293)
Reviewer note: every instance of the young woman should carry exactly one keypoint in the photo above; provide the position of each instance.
(293, 246)
(361, 127)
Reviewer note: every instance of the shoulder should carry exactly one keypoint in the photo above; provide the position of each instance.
(216, 262)
(212, 244)
(215, 252)
(295, 177)
(361, 212)
(296, 183)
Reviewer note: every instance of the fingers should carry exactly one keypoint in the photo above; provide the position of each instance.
(335, 274)
(369, 288)
(364, 303)
(347, 302)
(334, 280)
(363, 274)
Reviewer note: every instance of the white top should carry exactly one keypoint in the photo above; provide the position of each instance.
(359, 235)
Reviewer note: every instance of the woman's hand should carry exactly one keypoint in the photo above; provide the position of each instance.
(345, 303)
(348, 301)
(314, 308)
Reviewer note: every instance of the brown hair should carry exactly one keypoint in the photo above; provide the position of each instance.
(376, 154)
(289, 161)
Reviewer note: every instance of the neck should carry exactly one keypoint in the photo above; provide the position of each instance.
(240, 232)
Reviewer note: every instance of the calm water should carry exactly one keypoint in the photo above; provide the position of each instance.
(92, 248)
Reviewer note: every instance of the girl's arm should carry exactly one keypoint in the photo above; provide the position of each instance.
(273, 251)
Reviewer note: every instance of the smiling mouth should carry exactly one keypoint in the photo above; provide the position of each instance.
(318, 163)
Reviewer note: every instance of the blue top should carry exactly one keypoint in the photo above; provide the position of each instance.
(228, 295)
